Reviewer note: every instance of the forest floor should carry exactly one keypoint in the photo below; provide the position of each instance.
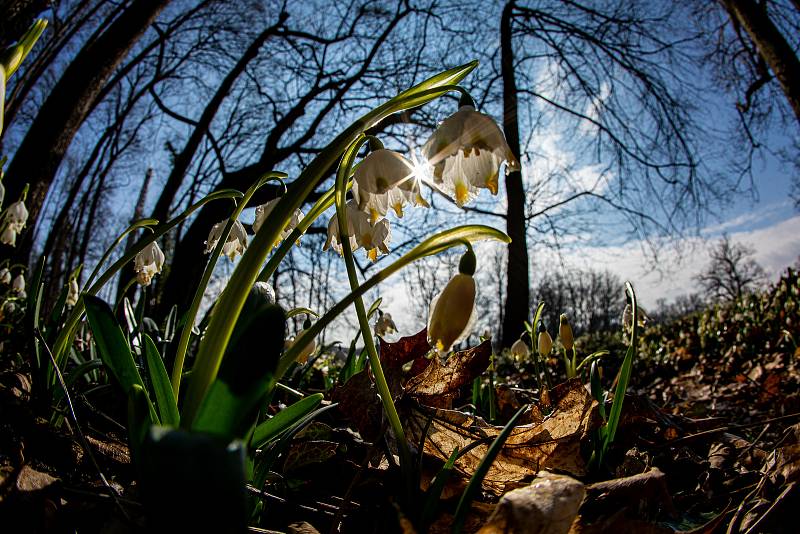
(709, 441)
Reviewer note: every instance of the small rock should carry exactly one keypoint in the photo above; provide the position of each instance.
(548, 506)
(29, 479)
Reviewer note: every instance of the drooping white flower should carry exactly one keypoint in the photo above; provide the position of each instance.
(374, 238)
(16, 216)
(236, 243)
(520, 351)
(18, 285)
(263, 211)
(385, 179)
(466, 152)
(384, 324)
(5, 276)
(9, 236)
(73, 292)
(309, 348)
(627, 317)
(147, 263)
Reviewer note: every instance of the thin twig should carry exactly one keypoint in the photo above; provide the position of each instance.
(74, 417)
(704, 433)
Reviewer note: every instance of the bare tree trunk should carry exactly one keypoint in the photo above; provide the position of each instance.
(184, 159)
(517, 291)
(771, 46)
(43, 148)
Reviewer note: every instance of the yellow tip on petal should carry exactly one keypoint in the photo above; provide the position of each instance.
(492, 183)
(462, 193)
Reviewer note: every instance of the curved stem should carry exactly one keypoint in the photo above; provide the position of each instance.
(186, 332)
(361, 312)
(246, 274)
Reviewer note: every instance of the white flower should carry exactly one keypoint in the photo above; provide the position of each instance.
(234, 245)
(18, 285)
(545, 343)
(384, 324)
(452, 313)
(263, 211)
(627, 317)
(2, 192)
(308, 350)
(16, 216)
(466, 152)
(520, 350)
(147, 263)
(5, 276)
(73, 292)
(374, 238)
(383, 180)
(9, 236)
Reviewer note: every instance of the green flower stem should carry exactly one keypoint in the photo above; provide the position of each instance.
(230, 304)
(432, 245)
(361, 312)
(65, 335)
(186, 332)
(143, 223)
(319, 207)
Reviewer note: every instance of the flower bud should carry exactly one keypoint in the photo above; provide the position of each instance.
(18, 285)
(565, 332)
(452, 312)
(5, 276)
(73, 292)
(545, 343)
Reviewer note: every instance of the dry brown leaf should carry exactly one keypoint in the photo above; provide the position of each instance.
(553, 443)
(439, 383)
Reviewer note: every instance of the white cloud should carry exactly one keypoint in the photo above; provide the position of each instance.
(775, 246)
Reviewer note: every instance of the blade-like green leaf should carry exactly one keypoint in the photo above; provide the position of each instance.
(283, 420)
(610, 430)
(434, 492)
(480, 473)
(113, 347)
(165, 400)
(229, 408)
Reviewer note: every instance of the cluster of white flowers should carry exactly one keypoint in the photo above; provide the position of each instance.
(465, 152)
(13, 222)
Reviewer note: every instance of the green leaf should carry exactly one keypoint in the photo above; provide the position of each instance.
(283, 420)
(374, 307)
(299, 311)
(610, 429)
(230, 406)
(113, 347)
(165, 400)
(139, 420)
(434, 492)
(193, 482)
(480, 473)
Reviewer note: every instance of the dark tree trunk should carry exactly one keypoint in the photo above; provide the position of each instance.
(43, 148)
(771, 46)
(184, 158)
(517, 291)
